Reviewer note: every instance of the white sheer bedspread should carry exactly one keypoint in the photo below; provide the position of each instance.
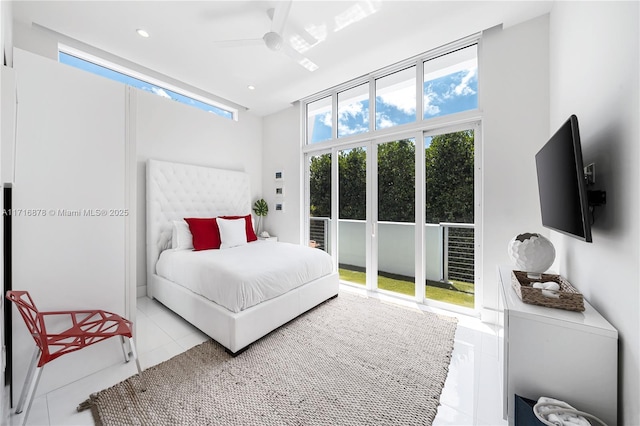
(241, 277)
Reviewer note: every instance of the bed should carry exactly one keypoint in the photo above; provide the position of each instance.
(176, 191)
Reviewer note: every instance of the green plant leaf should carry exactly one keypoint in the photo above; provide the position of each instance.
(260, 207)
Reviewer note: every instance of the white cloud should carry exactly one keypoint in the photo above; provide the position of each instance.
(326, 119)
(383, 121)
(429, 107)
(463, 88)
(160, 92)
(403, 99)
(352, 110)
(353, 118)
(346, 130)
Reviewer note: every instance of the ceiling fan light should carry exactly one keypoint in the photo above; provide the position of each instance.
(273, 40)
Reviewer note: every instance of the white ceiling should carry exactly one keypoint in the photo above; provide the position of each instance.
(355, 38)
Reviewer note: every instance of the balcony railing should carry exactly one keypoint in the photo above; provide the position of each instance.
(451, 243)
(458, 250)
(319, 232)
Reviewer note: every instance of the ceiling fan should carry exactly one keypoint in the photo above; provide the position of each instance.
(273, 38)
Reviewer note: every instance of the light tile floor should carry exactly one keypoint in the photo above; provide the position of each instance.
(471, 396)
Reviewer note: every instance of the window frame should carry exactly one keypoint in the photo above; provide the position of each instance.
(417, 62)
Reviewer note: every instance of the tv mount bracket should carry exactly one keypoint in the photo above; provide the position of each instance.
(594, 197)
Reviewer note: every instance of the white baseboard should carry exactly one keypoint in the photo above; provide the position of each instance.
(141, 291)
(490, 316)
(5, 408)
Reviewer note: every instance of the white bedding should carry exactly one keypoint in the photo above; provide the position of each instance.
(243, 276)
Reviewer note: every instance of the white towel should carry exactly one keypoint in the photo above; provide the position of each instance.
(559, 413)
(547, 285)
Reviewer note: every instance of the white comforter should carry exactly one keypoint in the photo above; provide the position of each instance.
(241, 277)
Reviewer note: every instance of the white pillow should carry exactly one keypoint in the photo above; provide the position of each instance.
(233, 232)
(181, 238)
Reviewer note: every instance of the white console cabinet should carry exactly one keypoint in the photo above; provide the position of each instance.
(571, 356)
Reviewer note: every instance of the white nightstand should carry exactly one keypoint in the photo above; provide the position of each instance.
(571, 356)
(272, 239)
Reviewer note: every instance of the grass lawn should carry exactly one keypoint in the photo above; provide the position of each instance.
(458, 293)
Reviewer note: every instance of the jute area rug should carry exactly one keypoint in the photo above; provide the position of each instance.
(350, 361)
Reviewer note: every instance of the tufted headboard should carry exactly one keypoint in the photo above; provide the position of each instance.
(176, 191)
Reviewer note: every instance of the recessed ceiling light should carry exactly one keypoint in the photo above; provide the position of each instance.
(142, 33)
(251, 87)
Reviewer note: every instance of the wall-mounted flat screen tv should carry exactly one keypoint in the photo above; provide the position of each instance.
(561, 183)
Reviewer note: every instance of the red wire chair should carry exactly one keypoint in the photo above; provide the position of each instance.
(88, 327)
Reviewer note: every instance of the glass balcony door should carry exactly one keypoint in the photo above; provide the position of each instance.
(449, 249)
(319, 180)
(352, 215)
(394, 238)
(367, 198)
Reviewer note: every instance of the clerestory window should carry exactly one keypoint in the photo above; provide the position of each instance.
(133, 79)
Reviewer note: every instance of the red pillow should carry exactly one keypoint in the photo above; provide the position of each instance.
(205, 233)
(251, 234)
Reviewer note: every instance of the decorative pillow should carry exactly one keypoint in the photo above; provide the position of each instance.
(251, 234)
(181, 238)
(205, 233)
(232, 233)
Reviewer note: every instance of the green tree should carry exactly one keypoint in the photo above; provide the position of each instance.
(449, 168)
(352, 174)
(320, 185)
(449, 172)
(396, 181)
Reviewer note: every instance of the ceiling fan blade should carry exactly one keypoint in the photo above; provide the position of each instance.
(298, 57)
(239, 43)
(280, 15)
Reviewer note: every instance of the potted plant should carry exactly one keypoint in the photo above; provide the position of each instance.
(260, 208)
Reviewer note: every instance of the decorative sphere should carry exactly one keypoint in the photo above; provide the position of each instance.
(531, 252)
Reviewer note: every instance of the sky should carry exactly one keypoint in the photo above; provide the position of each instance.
(442, 95)
(143, 85)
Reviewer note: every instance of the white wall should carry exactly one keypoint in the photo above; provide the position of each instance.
(513, 80)
(6, 32)
(594, 74)
(281, 152)
(5, 41)
(71, 157)
(171, 131)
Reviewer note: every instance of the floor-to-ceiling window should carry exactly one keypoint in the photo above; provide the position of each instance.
(392, 150)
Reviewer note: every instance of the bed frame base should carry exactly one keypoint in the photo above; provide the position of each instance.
(235, 354)
(236, 331)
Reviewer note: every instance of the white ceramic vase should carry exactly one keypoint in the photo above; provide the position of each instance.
(531, 252)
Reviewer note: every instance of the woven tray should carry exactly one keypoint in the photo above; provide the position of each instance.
(570, 299)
